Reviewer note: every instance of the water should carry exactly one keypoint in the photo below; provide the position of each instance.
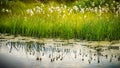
(32, 54)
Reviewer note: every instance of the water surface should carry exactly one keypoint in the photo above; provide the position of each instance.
(32, 54)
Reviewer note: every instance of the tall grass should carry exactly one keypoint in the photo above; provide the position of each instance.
(90, 29)
(62, 23)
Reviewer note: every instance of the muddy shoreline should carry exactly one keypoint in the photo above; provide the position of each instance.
(58, 40)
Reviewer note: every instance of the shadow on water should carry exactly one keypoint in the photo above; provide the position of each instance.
(60, 54)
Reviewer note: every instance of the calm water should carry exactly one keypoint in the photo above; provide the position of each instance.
(21, 54)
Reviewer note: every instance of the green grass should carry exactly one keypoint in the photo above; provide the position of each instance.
(36, 26)
(85, 26)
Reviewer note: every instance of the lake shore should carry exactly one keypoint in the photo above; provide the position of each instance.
(58, 40)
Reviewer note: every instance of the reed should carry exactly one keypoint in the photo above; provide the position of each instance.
(60, 21)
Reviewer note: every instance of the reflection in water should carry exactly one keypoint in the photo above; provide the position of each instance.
(57, 52)
(119, 58)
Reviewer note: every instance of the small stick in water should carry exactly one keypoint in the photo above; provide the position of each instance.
(37, 58)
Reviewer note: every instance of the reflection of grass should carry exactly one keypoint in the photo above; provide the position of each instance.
(86, 25)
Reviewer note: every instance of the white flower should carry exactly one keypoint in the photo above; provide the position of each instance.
(106, 4)
(111, 4)
(96, 9)
(118, 6)
(93, 4)
(103, 9)
(100, 12)
(51, 9)
(6, 10)
(30, 11)
(82, 10)
(65, 6)
(63, 11)
(113, 1)
(114, 9)
(106, 10)
(9, 11)
(75, 8)
(117, 13)
(92, 10)
(37, 9)
(58, 9)
(99, 7)
(42, 5)
(3, 10)
(70, 11)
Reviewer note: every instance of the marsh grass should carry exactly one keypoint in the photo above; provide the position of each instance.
(77, 25)
(53, 27)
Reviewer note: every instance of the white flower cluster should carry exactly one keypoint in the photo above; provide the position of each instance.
(30, 12)
(6, 10)
(75, 8)
(65, 10)
(38, 9)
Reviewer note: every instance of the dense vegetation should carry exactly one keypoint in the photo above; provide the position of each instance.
(78, 19)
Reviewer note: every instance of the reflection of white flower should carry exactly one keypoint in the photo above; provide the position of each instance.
(30, 11)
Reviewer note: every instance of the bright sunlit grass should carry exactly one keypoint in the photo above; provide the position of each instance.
(53, 20)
